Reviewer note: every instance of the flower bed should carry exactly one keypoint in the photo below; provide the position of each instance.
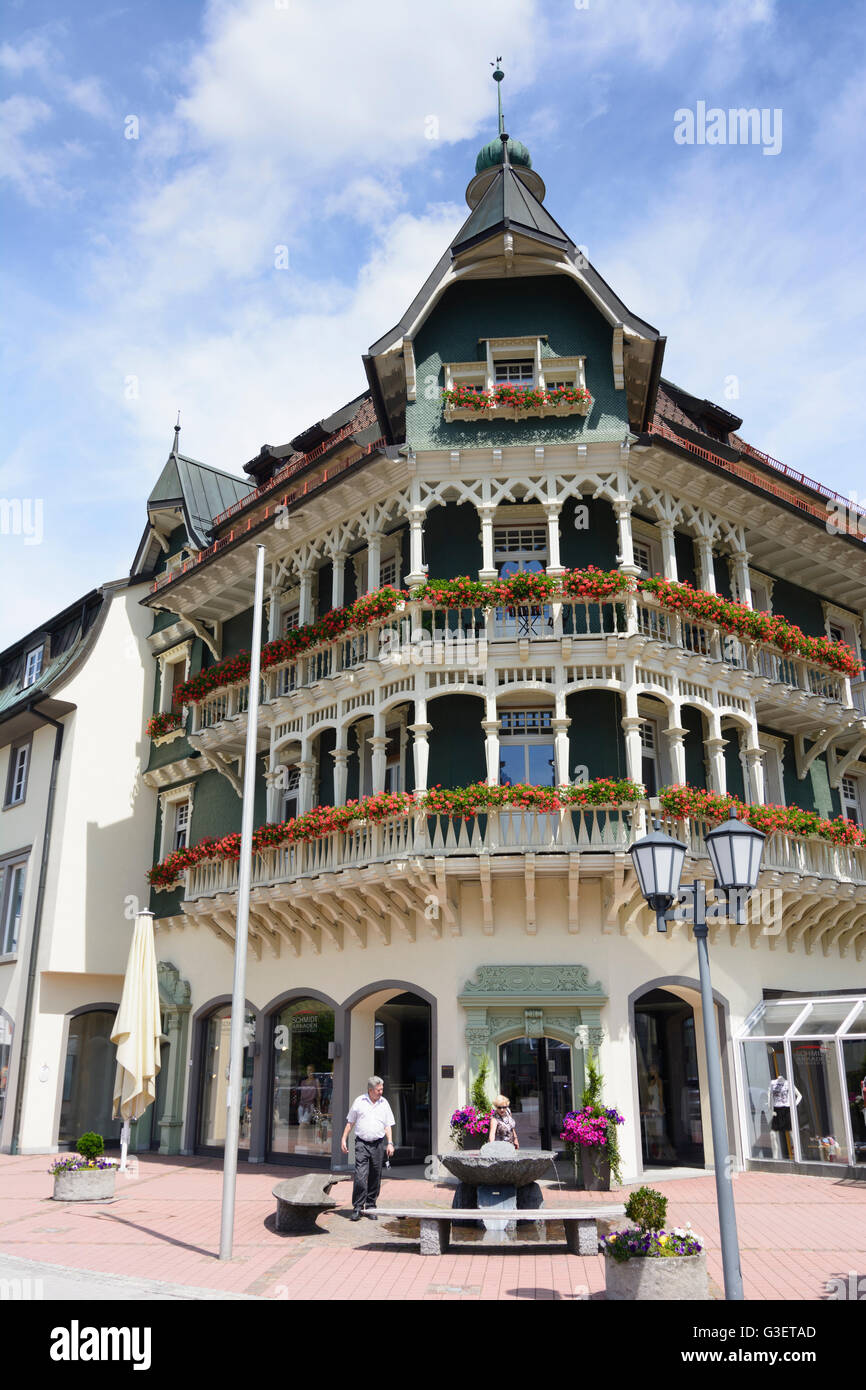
(684, 801)
(464, 802)
(159, 724)
(754, 626)
(526, 398)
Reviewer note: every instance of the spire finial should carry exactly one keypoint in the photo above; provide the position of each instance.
(498, 75)
(176, 434)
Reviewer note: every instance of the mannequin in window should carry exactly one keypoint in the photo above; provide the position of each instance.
(779, 1097)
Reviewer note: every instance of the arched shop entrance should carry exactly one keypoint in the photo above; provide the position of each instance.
(535, 1074)
(391, 1034)
(301, 1112)
(669, 1088)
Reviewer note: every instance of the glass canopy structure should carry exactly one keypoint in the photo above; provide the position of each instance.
(804, 1080)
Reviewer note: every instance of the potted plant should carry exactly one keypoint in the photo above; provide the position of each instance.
(87, 1175)
(646, 1262)
(591, 1137)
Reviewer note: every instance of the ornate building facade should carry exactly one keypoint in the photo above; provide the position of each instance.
(516, 591)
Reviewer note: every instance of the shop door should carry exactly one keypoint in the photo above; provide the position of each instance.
(535, 1074)
(668, 1085)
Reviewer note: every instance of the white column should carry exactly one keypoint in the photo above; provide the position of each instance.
(306, 768)
(631, 724)
(715, 746)
(625, 559)
(740, 582)
(755, 760)
(553, 510)
(272, 781)
(378, 743)
(675, 734)
(338, 587)
(488, 569)
(669, 551)
(560, 751)
(416, 573)
(273, 613)
(374, 560)
(341, 772)
(305, 606)
(706, 571)
(420, 752)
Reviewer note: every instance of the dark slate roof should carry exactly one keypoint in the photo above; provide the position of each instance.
(203, 493)
(358, 414)
(65, 635)
(508, 205)
(679, 407)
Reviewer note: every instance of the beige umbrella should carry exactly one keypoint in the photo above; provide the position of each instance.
(137, 1032)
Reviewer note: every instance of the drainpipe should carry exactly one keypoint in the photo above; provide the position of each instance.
(37, 925)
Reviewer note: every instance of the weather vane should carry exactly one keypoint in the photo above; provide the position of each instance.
(498, 75)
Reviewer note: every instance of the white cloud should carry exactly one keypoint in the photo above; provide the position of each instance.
(32, 171)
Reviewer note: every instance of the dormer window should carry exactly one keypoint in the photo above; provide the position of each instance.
(33, 666)
(515, 379)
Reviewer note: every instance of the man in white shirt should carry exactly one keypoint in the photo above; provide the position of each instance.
(372, 1117)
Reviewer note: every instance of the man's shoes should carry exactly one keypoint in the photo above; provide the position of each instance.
(356, 1216)
(371, 1212)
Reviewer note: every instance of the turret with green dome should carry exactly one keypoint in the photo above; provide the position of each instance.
(499, 151)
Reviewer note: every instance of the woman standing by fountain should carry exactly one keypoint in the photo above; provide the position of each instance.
(502, 1125)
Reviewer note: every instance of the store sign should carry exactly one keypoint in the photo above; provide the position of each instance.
(305, 1023)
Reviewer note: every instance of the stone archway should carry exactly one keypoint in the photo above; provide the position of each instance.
(556, 1001)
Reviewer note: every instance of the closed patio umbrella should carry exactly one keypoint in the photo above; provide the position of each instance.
(137, 1032)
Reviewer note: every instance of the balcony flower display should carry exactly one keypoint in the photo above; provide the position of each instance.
(683, 801)
(528, 398)
(463, 802)
(159, 724)
(752, 625)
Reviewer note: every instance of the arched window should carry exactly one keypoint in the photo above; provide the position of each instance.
(88, 1078)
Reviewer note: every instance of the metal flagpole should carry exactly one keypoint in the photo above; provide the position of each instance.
(239, 992)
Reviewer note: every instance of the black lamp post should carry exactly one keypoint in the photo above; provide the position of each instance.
(735, 850)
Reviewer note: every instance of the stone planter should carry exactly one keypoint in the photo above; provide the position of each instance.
(85, 1185)
(586, 1175)
(680, 1278)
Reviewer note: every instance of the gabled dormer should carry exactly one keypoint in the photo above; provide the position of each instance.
(514, 331)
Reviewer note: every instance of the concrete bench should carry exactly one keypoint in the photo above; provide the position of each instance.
(581, 1223)
(301, 1200)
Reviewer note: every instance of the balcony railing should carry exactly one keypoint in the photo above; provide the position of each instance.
(418, 635)
(596, 830)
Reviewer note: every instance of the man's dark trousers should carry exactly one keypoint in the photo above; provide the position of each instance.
(369, 1157)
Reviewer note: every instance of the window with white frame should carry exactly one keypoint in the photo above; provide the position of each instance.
(16, 783)
(520, 372)
(762, 592)
(646, 547)
(291, 792)
(526, 747)
(394, 760)
(180, 835)
(388, 572)
(774, 780)
(12, 879)
(33, 666)
(176, 806)
(174, 671)
(851, 793)
(841, 627)
(521, 548)
(290, 618)
(649, 750)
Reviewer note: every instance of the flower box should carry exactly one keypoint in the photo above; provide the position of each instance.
(652, 1278)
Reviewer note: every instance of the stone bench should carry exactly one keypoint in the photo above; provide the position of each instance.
(581, 1223)
(301, 1200)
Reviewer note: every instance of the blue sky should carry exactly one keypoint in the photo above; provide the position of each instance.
(138, 275)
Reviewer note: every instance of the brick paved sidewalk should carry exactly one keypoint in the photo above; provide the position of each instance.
(795, 1234)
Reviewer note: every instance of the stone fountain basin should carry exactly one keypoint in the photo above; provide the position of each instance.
(498, 1165)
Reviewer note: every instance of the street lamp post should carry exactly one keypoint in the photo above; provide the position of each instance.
(735, 850)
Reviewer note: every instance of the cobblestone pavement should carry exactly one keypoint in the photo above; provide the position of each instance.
(796, 1233)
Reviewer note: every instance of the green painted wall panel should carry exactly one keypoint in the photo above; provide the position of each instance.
(595, 736)
(456, 741)
(685, 553)
(596, 542)
(693, 723)
(511, 308)
(733, 766)
(799, 606)
(324, 599)
(327, 742)
(452, 542)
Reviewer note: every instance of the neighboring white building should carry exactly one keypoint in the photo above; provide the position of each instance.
(76, 829)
